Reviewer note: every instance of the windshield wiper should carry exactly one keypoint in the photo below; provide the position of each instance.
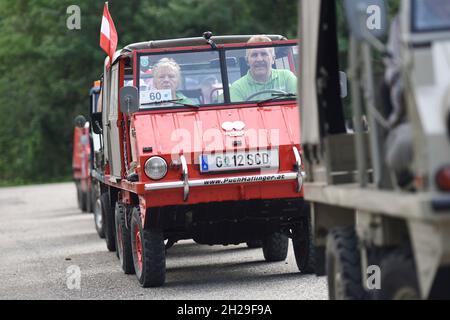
(174, 101)
(276, 96)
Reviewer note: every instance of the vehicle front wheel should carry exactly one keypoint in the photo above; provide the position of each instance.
(343, 265)
(275, 247)
(149, 254)
(303, 244)
(123, 240)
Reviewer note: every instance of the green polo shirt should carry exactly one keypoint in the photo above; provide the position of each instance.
(281, 79)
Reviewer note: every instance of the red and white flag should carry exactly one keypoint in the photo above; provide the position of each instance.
(108, 34)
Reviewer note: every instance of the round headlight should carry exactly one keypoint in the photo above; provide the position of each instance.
(155, 168)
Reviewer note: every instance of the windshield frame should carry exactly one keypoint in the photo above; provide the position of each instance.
(222, 50)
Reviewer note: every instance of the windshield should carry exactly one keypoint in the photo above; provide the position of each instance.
(197, 78)
(431, 15)
(262, 73)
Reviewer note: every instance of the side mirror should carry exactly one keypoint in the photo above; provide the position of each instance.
(366, 18)
(129, 99)
(96, 119)
(80, 121)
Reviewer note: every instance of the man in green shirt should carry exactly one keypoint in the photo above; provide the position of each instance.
(260, 76)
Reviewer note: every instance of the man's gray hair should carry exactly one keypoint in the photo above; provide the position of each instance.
(259, 38)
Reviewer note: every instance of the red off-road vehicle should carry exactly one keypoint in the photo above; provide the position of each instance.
(87, 155)
(186, 157)
(82, 154)
(80, 166)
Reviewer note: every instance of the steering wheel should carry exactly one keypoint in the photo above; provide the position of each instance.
(213, 91)
(265, 91)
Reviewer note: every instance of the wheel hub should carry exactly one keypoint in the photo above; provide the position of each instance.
(137, 236)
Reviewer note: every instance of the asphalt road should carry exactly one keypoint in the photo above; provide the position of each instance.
(45, 241)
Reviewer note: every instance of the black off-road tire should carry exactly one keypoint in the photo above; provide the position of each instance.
(123, 240)
(84, 201)
(275, 247)
(252, 244)
(90, 203)
(149, 253)
(81, 197)
(398, 277)
(303, 244)
(108, 222)
(343, 265)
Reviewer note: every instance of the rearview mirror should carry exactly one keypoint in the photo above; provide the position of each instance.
(366, 18)
(129, 99)
(215, 63)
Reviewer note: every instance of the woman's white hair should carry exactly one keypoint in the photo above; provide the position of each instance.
(166, 62)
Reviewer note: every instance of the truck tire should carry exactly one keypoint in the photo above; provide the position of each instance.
(275, 247)
(90, 201)
(123, 239)
(108, 222)
(343, 265)
(149, 253)
(82, 199)
(79, 196)
(98, 218)
(398, 277)
(303, 244)
(84, 202)
(254, 244)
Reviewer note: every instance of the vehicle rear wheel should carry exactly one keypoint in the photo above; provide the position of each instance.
(123, 240)
(254, 244)
(84, 202)
(90, 201)
(82, 197)
(343, 265)
(275, 247)
(303, 244)
(398, 277)
(98, 218)
(79, 195)
(108, 222)
(149, 253)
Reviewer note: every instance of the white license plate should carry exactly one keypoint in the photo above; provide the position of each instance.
(239, 160)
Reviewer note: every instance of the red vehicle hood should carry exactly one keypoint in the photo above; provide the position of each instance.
(195, 132)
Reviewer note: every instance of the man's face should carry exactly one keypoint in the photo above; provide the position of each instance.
(166, 78)
(260, 62)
